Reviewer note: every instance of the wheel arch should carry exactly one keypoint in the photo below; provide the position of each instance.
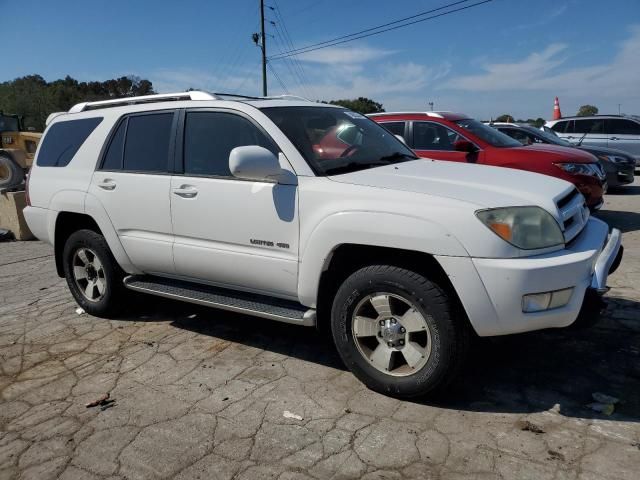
(347, 258)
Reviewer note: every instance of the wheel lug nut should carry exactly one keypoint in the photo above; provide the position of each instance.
(401, 342)
(393, 320)
(403, 330)
(389, 344)
(382, 323)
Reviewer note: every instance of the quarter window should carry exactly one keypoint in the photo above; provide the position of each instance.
(146, 148)
(209, 138)
(63, 140)
(560, 127)
(619, 126)
(431, 136)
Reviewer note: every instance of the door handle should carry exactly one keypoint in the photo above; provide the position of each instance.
(185, 191)
(107, 184)
(614, 138)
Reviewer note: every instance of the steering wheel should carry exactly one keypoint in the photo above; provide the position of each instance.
(349, 151)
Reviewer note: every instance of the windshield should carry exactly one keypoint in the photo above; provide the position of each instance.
(488, 134)
(335, 140)
(548, 137)
(9, 124)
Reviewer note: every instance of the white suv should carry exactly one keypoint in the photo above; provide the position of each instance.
(313, 215)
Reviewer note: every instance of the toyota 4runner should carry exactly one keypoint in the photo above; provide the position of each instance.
(244, 204)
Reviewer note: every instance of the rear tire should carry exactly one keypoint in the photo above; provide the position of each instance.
(92, 273)
(398, 332)
(11, 175)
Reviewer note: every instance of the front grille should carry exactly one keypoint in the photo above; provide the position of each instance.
(574, 214)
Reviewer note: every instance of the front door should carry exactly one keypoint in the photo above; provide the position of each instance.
(230, 232)
(432, 140)
(132, 184)
(624, 134)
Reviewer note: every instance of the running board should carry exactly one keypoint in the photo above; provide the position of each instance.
(225, 299)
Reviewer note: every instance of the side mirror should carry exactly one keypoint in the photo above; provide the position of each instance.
(253, 162)
(401, 138)
(464, 146)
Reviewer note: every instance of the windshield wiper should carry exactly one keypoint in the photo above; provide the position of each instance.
(397, 156)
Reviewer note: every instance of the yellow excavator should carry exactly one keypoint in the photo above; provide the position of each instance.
(17, 150)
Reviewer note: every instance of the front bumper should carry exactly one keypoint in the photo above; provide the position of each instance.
(492, 290)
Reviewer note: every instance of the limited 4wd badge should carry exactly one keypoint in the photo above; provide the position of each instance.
(268, 243)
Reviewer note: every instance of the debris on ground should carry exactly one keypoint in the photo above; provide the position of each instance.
(555, 455)
(288, 414)
(79, 310)
(604, 398)
(102, 401)
(527, 426)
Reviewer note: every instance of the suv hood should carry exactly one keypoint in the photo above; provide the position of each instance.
(481, 185)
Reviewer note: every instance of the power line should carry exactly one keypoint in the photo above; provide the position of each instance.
(362, 34)
(275, 74)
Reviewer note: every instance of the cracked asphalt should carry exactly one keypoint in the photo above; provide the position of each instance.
(201, 393)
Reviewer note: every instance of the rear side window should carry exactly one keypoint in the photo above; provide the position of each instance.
(431, 136)
(209, 138)
(115, 152)
(560, 127)
(397, 128)
(590, 125)
(620, 126)
(63, 140)
(146, 148)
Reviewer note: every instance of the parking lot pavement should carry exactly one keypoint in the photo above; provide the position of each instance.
(197, 393)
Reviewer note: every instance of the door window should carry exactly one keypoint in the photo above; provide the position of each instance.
(209, 138)
(397, 128)
(589, 125)
(114, 155)
(561, 127)
(146, 147)
(432, 136)
(620, 126)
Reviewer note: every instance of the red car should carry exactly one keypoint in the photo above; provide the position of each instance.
(458, 138)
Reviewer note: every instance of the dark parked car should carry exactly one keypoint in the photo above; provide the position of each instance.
(618, 165)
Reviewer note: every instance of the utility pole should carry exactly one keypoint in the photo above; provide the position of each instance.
(431, 106)
(619, 105)
(264, 50)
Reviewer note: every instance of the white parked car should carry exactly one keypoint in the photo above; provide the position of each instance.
(313, 215)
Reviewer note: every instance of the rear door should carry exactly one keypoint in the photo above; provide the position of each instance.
(624, 134)
(133, 182)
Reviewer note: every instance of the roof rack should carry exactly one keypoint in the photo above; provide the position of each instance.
(162, 97)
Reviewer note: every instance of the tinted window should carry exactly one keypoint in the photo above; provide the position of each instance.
(397, 128)
(209, 138)
(147, 146)
(488, 134)
(589, 125)
(519, 135)
(559, 127)
(113, 157)
(63, 140)
(620, 126)
(432, 136)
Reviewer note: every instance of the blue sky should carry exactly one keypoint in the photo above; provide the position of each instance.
(508, 56)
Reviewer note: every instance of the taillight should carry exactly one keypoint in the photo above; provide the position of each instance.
(26, 190)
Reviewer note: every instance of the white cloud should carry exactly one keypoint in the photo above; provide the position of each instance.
(547, 70)
(344, 55)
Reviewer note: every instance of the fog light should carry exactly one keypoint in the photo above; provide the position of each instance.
(537, 302)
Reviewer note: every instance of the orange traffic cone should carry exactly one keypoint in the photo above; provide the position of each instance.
(557, 114)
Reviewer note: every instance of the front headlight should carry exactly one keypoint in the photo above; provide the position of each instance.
(578, 168)
(614, 159)
(528, 228)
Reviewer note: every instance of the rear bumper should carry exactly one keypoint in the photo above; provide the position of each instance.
(492, 290)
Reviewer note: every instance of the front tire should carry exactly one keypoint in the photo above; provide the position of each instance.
(397, 331)
(92, 273)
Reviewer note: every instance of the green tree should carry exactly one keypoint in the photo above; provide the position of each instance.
(35, 98)
(586, 110)
(361, 105)
(505, 117)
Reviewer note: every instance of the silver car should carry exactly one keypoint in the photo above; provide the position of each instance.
(614, 131)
